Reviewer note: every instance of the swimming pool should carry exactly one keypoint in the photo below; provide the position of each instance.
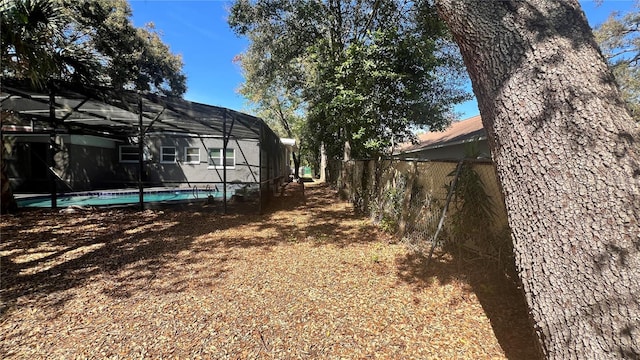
(106, 198)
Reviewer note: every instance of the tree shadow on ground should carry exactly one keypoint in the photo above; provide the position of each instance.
(503, 302)
(121, 253)
(500, 297)
(332, 222)
(44, 253)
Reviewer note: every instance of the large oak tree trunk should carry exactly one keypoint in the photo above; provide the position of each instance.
(568, 158)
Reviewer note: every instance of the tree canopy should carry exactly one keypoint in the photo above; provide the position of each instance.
(363, 74)
(88, 41)
(619, 39)
(281, 109)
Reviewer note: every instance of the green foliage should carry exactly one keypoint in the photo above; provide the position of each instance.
(280, 108)
(388, 207)
(361, 73)
(388, 224)
(472, 218)
(28, 32)
(619, 39)
(88, 41)
(395, 198)
(472, 209)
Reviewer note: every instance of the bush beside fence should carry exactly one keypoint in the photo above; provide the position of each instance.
(407, 197)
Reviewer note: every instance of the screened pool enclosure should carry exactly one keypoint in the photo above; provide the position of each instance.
(73, 139)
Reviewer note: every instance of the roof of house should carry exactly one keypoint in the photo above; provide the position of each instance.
(104, 110)
(457, 133)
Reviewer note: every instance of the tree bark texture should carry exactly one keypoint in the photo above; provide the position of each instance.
(567, 155)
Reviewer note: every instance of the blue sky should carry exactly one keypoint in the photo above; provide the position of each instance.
(198, 30)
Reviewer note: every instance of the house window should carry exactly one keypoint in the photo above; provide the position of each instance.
(168, 154)
(216, 159)
(129, 154)
(192, 155)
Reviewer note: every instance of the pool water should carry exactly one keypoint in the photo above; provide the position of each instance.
(117, 198)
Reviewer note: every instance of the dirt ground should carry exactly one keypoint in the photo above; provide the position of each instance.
(308, 279)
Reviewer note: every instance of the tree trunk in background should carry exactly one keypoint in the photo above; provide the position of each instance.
(7, 200)
(347, 151)
(568, 157)
(323, 163)
(296, 165)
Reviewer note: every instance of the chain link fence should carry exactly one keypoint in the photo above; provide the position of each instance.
(408, 197)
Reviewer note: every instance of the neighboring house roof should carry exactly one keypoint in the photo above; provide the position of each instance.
(458, 133)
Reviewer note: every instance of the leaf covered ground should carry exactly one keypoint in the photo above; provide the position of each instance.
(309, 279)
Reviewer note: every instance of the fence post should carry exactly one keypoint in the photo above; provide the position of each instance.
(51, 152)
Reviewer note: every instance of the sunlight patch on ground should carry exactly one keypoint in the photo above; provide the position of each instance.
(81, 229)
(30, 257)
(58, 260)
(155, 226)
